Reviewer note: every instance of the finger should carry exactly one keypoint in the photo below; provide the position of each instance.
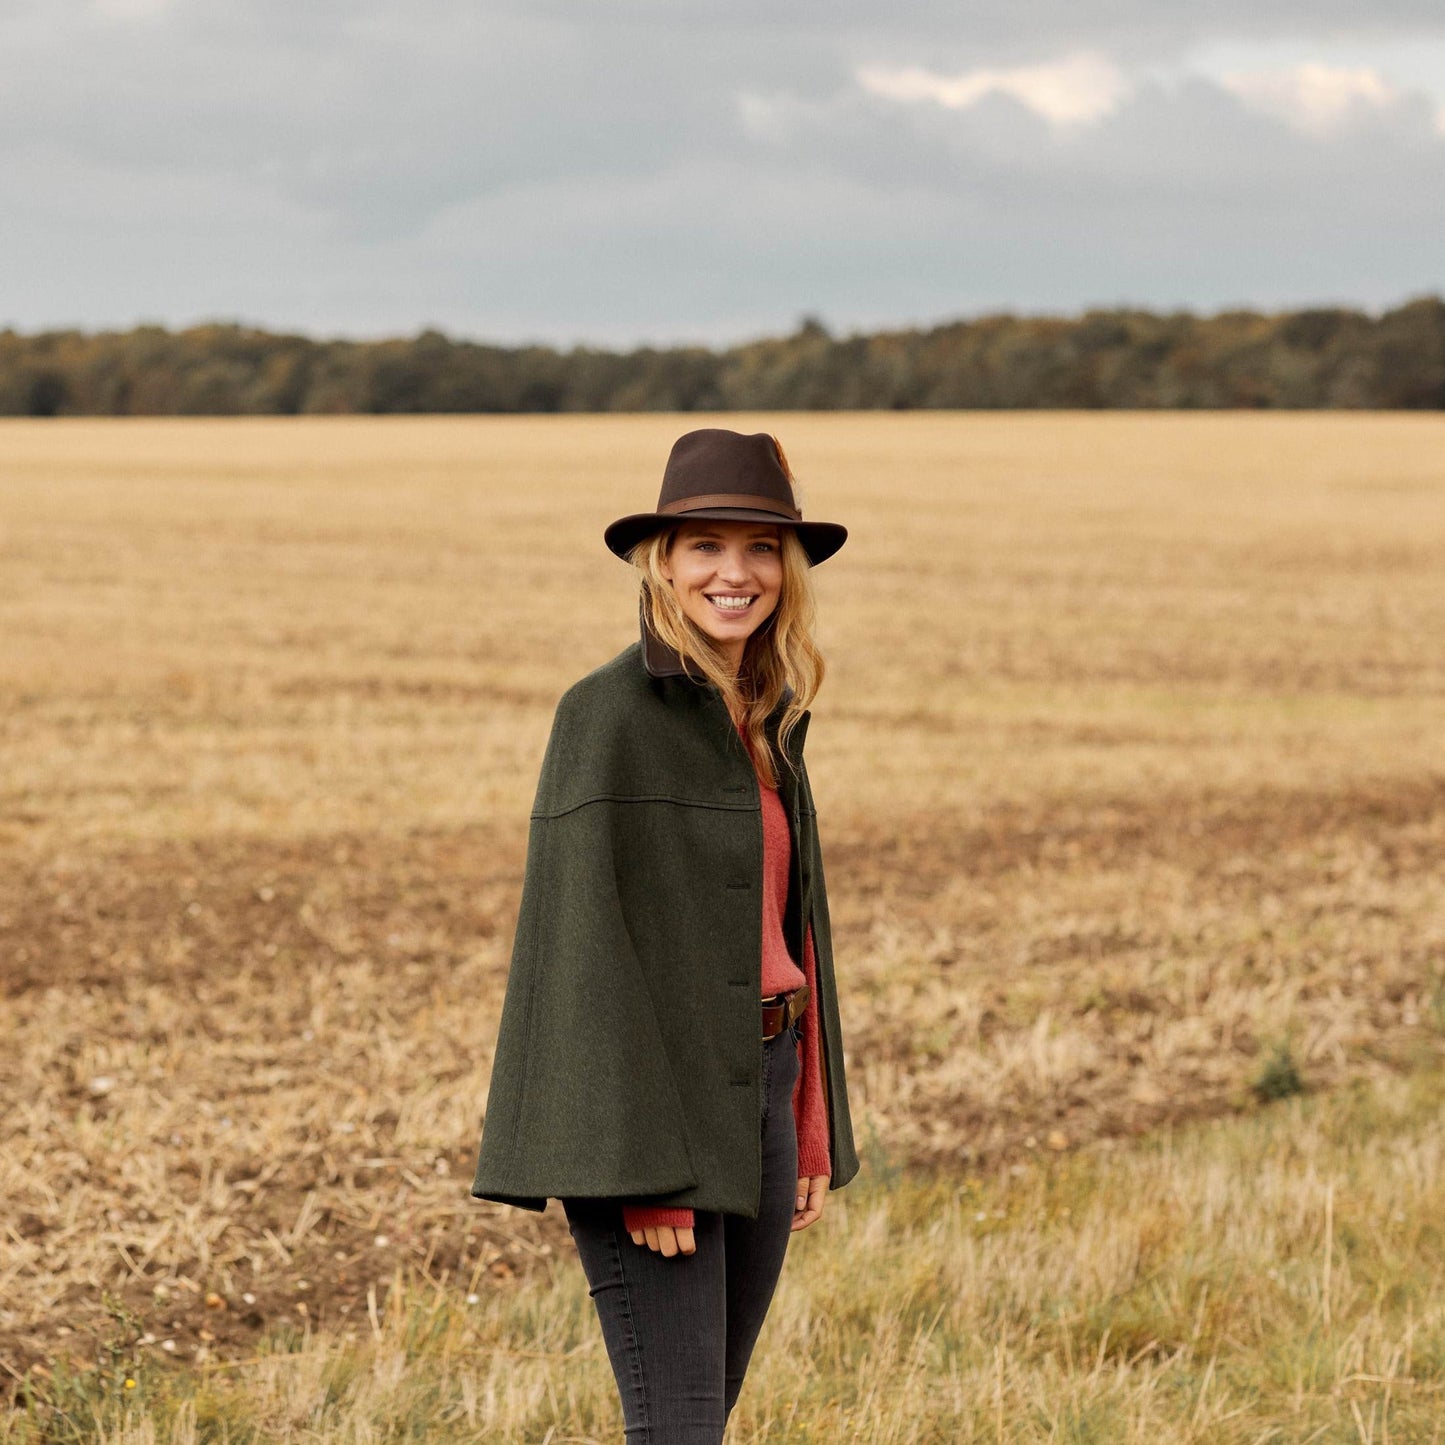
(637, 1237)
(667, 1238)
(686, 1241)
(802, 1200)
(651, 1233)
(810, 1207)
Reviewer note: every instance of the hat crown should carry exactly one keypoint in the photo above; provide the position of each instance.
(713, 463)
(714, 474)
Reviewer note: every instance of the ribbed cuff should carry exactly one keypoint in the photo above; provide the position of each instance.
(812, 1164)
(643, 1216)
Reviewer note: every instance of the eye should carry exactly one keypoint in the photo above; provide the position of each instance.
(766, 546)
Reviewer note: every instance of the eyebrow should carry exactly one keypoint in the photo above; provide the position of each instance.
(769, 532)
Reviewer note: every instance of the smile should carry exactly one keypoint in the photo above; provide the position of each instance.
(728, 603)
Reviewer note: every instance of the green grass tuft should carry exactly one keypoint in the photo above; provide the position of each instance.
(1278, 1076)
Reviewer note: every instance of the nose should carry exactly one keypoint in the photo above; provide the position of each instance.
(732, 567)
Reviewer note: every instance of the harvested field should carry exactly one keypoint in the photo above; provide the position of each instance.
(1128, 766)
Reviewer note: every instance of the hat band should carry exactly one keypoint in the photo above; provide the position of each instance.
(732, 499)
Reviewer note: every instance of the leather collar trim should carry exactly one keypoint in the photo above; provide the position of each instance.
(660, 659)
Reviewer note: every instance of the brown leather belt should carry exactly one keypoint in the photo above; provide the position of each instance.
(782, 1009)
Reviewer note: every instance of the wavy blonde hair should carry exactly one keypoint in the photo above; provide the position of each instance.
(780, 654)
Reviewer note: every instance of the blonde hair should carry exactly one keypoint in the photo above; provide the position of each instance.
(780, 654)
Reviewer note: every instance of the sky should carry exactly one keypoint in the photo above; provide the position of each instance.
(628, 172)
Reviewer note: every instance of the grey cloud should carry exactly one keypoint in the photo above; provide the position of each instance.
(1196, 139)
(629, 171)
(379, 121)
(995, 31)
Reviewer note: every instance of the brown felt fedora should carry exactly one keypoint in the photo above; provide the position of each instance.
(726, 476)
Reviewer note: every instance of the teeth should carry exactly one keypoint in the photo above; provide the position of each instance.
(732, 604)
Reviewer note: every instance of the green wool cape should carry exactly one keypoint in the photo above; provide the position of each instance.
(629, 1054)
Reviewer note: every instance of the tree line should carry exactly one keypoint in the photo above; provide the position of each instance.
(1320, 357)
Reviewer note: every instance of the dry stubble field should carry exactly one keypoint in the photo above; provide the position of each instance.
(1130, 778)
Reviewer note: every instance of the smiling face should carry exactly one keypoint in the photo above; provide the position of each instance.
(728, 577)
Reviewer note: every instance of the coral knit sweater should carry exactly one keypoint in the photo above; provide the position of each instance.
(780, 975)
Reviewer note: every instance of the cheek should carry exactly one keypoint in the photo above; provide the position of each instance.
(768, 602)
(688, 586)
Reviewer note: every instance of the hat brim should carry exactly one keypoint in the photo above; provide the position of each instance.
(820, 539)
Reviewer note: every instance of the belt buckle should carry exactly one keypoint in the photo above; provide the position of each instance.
(797, 1002)
(791, 1008)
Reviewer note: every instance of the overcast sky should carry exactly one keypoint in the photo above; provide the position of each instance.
(677, 170)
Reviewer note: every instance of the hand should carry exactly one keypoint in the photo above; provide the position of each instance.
(812, 1191)
(666, 1240)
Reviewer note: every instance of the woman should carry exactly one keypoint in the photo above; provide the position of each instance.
(669, 1062)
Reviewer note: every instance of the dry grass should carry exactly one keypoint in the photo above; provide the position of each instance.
(1270, 1279)
(1128, 765)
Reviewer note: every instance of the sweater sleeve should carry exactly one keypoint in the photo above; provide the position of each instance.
(810, 1108)
(648, 1216)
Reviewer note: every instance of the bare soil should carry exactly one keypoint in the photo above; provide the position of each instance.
(1133, 786)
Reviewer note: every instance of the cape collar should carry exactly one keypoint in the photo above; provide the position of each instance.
(661, 660)
(664, 661)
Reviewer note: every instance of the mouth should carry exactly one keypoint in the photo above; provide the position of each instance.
(733, 603)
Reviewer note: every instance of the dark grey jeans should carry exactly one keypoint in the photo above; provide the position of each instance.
(680, 1331)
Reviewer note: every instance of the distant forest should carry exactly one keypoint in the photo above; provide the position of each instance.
(1125, 358)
